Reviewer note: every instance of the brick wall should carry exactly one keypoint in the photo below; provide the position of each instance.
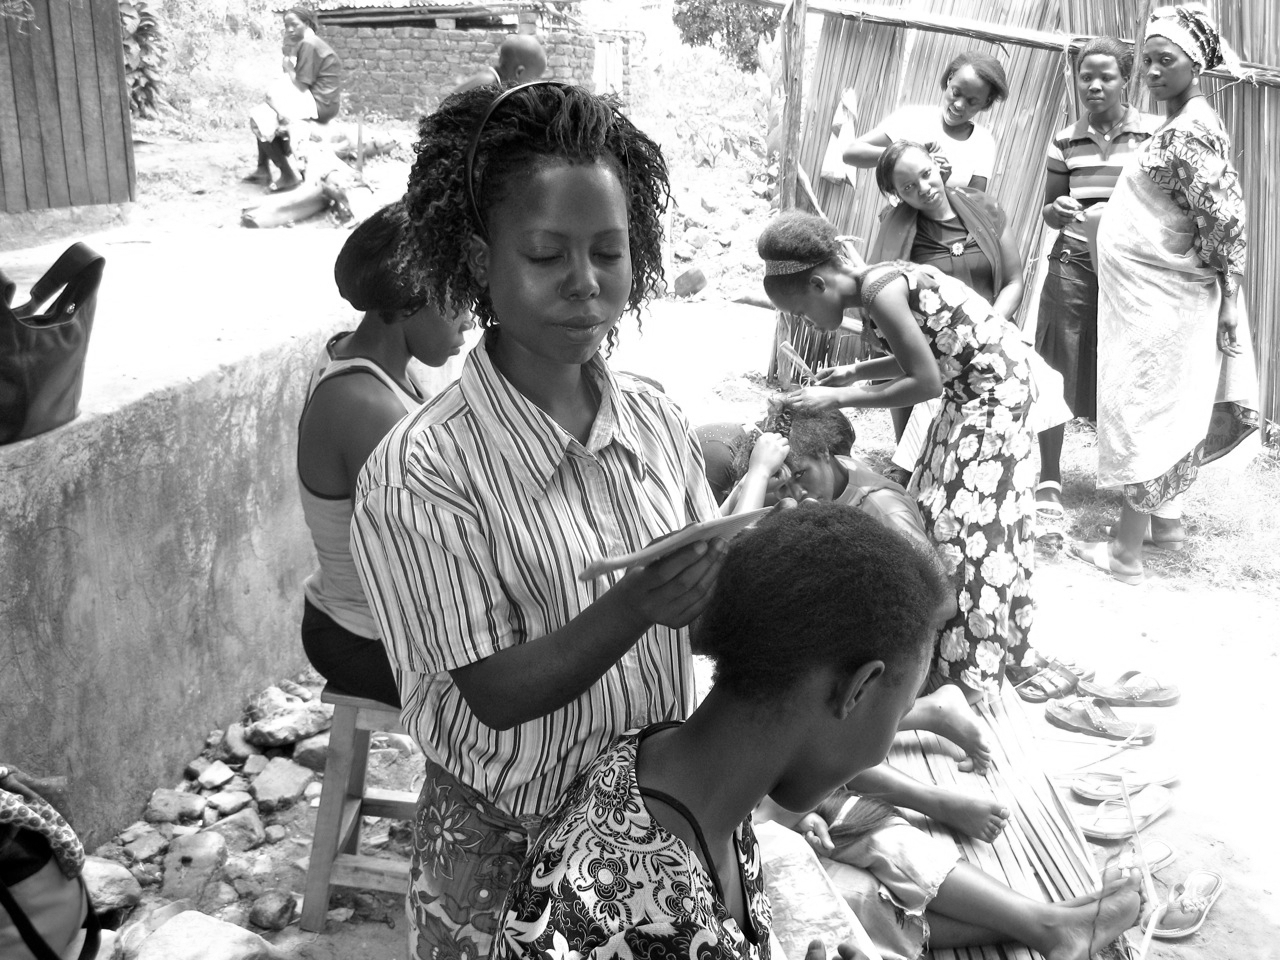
(404, 72)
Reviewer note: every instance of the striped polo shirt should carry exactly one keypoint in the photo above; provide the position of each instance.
(473, 518)
(1091, 159)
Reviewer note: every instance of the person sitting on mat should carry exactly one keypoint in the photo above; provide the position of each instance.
(360, 388)
(651, 848)
(309, 89)
(913, 892)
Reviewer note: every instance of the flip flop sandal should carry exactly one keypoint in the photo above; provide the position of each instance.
(1105, 785)
(1098, 555)
(262, 179)
(1095, 718)
(1158, 853)
(1052, 682)
(279, 187)
(1133, 689)
(1189, 904)
(1050, 510)
(1175, 546)
(1110, 820)
(1021, 674)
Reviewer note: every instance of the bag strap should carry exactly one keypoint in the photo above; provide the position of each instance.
(36, 943)
(76, 259)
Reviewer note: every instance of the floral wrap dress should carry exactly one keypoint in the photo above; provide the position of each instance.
(975, 481)
(605, 881)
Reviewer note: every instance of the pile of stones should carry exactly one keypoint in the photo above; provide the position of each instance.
(221, 855)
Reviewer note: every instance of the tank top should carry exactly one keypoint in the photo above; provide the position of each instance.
(335, 587)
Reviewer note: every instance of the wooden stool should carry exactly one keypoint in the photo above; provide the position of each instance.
(335, 850)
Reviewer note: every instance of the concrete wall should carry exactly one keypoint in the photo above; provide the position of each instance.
(403, 72)
(152, 551)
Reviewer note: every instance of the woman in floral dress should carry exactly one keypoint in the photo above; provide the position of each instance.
(974, 485)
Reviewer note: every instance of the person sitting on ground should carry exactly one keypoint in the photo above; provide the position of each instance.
(310, 89)
(360, 388)
(520, 60)
(913, 892)
(651, 849)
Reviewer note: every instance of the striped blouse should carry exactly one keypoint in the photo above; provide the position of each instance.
(1092, 160)
(473, 518)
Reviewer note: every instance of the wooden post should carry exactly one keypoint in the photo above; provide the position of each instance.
(1139, 37)
(792, 27)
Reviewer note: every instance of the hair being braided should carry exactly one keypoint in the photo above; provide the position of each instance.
(538, 125)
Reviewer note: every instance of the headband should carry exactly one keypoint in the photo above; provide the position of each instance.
(1192, 31)
(779, 268)
(474, 145)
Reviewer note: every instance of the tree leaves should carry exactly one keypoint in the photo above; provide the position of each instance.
(729, 26)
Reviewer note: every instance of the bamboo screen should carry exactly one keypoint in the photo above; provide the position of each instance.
(888, 67)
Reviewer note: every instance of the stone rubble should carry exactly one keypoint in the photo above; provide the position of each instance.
(211, 860)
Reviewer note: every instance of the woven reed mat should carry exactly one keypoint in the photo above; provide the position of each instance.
(1041, 852)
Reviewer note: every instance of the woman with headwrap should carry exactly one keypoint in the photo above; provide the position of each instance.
(1176, 384)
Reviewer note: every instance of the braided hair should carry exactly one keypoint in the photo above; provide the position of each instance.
(541, 124)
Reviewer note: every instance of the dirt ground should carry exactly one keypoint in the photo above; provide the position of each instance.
(1221, 646)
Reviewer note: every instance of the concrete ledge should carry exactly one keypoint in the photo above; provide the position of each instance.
(18, 230)
(154, 549)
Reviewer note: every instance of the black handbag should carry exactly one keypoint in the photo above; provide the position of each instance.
(42, 354)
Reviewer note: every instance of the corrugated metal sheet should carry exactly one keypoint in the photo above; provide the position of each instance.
(459, 7)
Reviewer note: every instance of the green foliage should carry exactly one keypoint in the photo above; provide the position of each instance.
(146, 54)
(729, 26)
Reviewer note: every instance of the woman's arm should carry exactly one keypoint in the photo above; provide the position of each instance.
(347, 417)
(532, 679)
(865, 151)
(920, 380)
(881, 368)
(1060, 208)
(768, 454)
(1010, 295)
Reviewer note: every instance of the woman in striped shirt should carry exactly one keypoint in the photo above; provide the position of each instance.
(539, 208)
(1084, 162)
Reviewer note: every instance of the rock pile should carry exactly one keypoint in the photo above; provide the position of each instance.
(209, 859)
(713, 233)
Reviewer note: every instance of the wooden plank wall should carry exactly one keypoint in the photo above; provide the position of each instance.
(65, 134)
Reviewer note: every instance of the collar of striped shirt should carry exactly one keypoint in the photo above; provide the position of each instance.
(531, 442)
(1132, 123)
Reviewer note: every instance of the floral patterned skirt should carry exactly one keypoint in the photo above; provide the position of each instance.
(466, 853)
(975, 485)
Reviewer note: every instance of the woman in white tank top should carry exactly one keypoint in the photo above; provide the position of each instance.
(360, 388)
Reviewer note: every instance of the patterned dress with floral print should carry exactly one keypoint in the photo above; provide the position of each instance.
(605, 880)
(974, 480)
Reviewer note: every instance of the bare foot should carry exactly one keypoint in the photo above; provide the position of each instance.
(975, 817)
(947, 713)
(1083, 929)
